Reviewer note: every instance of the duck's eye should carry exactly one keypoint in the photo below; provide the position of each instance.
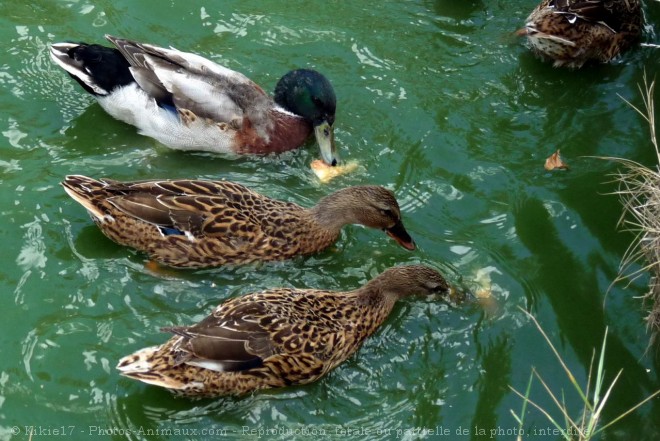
(387, 212)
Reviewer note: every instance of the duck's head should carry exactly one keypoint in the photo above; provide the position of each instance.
(369, 205)
(310, 95)
(410, 280)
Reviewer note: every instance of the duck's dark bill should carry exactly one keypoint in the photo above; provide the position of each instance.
(399, 233)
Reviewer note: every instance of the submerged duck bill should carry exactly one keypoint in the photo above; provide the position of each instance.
(401, 236)
(325, 136)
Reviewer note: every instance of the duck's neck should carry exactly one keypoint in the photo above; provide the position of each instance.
(334, 211)
(289, 131)
(377, 302)
(286, 132)
(378, 292)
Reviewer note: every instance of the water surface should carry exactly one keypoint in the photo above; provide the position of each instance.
(437, 101)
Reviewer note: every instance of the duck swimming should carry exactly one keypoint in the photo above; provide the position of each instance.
(188, 102)
(573, 32)
(275, 338)
(204, 223)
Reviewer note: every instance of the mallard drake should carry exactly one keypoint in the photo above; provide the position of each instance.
(198, 223)
(573, 32)
(188, 102)
(275, 338)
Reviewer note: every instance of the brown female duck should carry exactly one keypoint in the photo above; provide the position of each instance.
(199, 223)
(573, 32)
(276, 338)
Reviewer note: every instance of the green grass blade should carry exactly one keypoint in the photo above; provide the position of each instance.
(600, 373)
(568, 372)
(543, 411)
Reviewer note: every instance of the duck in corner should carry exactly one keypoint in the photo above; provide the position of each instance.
(187, 102)
(573, 32)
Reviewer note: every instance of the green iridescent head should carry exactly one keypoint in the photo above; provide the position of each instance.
(310, 95)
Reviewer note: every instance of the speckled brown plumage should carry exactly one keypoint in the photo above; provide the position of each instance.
(197, 223)
(276, 338)
(573, 32)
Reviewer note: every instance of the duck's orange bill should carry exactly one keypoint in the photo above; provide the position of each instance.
(399, 233)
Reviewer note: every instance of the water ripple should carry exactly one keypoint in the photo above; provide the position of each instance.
(32, 254)
(437, 105)
(237, 24)
(27, 350)
(367, 57)
(413, 196)
(13, 134)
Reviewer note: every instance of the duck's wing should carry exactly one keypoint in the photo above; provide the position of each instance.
(193, 84)
(191, 206)
(230, 215)
(611, 13)
(232, 342)
(183, 187)
(243, 332)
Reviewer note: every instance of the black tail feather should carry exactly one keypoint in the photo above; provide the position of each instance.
(98, 69)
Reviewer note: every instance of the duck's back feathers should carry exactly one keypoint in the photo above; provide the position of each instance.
(574, 32)
(615, 14)
(188, 81)
(192, 223)
(276, 338)
(273, 338)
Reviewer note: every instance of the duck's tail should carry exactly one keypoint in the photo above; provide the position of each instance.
(98, 69)
(152, 366)
(83, 190)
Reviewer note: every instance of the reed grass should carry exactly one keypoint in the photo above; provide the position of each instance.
(593, 397)
(639, 193)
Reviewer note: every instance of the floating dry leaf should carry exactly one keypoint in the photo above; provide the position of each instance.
(554, 162)
(325, 172)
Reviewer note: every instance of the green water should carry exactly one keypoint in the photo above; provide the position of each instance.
(436, 101)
